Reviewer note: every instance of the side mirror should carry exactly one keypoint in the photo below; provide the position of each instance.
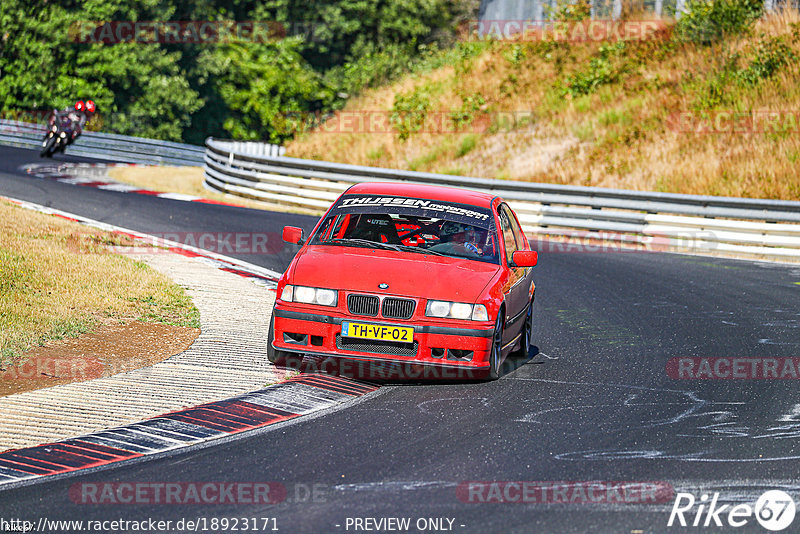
(293, 235)
(525, 258)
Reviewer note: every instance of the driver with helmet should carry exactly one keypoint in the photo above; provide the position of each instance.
(76, 116)
(460, 239)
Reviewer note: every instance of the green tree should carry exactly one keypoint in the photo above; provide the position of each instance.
(139, 88)
(263, 85)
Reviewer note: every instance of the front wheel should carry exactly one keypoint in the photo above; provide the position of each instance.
(47, 146)
(496, 353)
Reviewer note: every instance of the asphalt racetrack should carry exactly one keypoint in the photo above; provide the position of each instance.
(593, 402)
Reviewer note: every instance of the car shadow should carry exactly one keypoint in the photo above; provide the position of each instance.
(401, 373)
(513, 363)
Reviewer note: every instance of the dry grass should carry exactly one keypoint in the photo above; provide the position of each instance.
(184, 180)
(622, 134)
(57, 279)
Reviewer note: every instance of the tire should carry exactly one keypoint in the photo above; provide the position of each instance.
(527, 328)
(496, 353)
(280, 357)
(47, 146)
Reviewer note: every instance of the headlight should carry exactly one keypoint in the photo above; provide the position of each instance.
(456, 310)
(309, 295)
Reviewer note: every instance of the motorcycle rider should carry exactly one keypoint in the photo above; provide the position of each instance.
(73, 119)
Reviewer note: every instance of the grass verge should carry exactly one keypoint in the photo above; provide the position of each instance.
(58, 279)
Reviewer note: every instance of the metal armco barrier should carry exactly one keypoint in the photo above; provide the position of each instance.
(657, 221)
(113, 147)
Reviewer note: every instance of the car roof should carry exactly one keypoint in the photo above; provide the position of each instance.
(427, 192)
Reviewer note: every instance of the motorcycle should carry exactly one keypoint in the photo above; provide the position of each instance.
(58, 136)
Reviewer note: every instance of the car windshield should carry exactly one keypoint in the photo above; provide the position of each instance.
(411, 225)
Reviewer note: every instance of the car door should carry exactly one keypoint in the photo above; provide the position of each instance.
(516, 292)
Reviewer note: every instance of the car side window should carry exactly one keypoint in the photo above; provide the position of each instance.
(519, 235)
(506, 225)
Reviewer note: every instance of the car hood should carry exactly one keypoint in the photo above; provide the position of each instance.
(407, 273)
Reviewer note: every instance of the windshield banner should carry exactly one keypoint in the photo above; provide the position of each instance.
(412, 206)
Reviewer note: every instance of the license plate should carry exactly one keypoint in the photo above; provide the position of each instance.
(401, 334)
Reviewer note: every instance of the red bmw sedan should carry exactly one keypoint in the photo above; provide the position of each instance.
(403, 273)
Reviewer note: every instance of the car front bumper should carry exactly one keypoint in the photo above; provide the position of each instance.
(462, 351)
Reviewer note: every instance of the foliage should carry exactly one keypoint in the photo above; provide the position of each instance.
(263, 86)
(342, 31)
(735, 73)
(409, 111)
(138, 89)
(770, 56)
(328, 51)
(570, 10)
(470, 104)
(468, 142)
(600, 71)
(708, 21)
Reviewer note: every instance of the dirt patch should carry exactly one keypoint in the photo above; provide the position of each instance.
(517, 156)
(109, 350)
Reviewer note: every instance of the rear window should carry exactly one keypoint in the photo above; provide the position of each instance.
(411, 225)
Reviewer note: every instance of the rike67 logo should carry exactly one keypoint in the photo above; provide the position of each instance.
(774, 510)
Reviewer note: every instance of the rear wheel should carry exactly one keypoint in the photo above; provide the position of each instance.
(496, 353)
(280, 357)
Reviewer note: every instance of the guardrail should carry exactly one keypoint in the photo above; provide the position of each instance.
(661, 221)
(113, 147)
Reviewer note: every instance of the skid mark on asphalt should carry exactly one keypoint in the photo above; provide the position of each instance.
(709, 430)
(768, 341)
